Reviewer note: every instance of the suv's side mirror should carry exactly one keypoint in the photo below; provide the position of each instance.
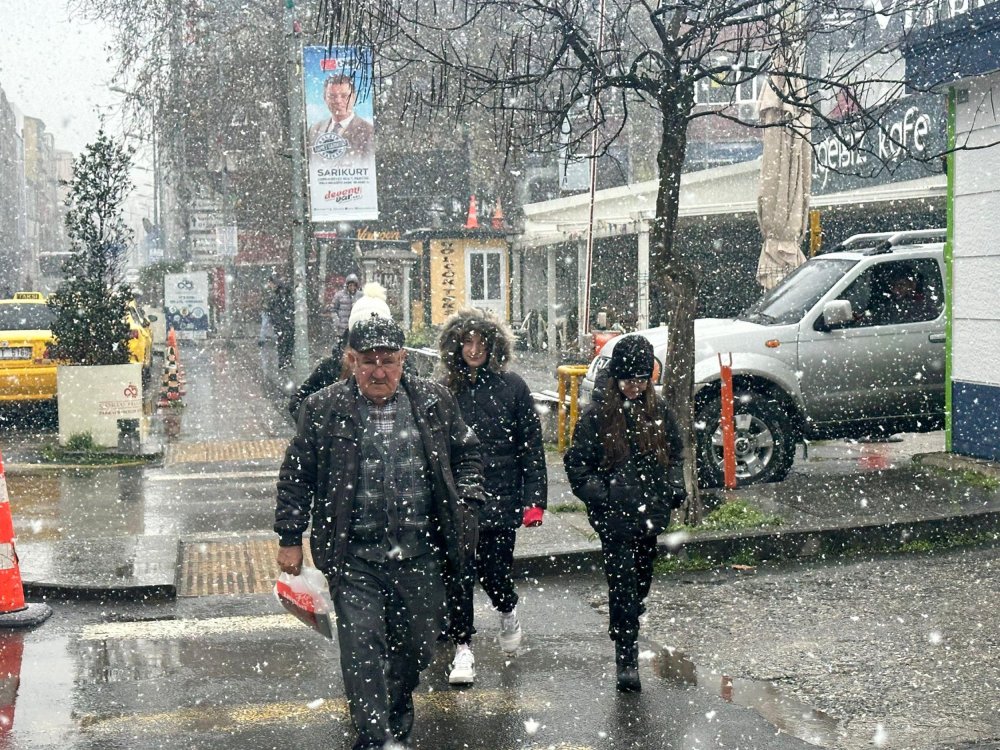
(152, 318)
(836, 314)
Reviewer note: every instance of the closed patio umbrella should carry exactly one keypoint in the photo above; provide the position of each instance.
(785, 173)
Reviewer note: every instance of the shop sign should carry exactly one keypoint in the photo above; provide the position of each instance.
(900, 145)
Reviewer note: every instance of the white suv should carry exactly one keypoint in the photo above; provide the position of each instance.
(851, 344)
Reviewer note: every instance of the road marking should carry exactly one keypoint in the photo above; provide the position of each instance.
(225, 718)
(213, 475)
(152, 629)
(229, 719)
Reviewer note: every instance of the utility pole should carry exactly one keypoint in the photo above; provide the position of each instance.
(296, 129)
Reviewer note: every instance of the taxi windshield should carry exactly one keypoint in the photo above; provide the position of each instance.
(25, 317)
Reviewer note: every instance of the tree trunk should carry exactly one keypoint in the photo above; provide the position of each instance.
(672, 272)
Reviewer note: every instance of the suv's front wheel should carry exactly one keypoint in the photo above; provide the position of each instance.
(765, 442)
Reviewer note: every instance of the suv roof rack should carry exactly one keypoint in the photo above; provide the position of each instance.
(883, 242)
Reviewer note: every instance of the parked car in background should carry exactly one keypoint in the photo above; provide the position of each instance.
(27, 371)
(851, 344)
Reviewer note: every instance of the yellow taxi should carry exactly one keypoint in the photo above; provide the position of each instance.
(27, 371)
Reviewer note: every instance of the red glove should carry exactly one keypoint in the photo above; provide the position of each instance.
(532, 516)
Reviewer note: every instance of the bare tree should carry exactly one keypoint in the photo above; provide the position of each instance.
(541, 66)
(210, 79)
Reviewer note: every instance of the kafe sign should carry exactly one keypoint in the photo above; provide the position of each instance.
(902, 145)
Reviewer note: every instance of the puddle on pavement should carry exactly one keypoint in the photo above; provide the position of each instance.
(788, 714)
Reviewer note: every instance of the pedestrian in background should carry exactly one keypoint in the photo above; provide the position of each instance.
(475, 350)
(342, 304)
(626, 465)
(389, 476)
(280, 310)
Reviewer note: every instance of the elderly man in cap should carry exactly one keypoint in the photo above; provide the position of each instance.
(390, 478)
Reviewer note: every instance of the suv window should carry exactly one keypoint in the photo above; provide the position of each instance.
(798, 292)
(25, 317)
(896, 292)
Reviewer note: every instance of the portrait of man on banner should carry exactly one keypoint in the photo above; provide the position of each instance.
(344, 137)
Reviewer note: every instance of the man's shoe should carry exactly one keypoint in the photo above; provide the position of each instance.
(510, 632)
(463, 668)
(627, 668)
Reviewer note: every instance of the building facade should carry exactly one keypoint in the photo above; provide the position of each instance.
(962, 56)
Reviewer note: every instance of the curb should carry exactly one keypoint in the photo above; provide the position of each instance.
(61, 592)
(47, 468)
(769, 546)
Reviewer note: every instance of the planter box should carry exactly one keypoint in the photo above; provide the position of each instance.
(93, 399)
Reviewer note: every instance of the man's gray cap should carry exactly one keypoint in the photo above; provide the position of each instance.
(375, 332)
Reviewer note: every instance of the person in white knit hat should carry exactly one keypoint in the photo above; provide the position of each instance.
(333, 368)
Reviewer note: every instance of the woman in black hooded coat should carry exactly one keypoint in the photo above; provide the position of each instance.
(475, 349)
(626, 465)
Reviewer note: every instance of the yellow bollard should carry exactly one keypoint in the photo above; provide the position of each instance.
(571, 374)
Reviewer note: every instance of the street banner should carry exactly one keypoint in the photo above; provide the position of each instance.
(340, 136)
(185, 304)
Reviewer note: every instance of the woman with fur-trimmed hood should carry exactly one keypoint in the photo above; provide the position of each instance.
(475, 349)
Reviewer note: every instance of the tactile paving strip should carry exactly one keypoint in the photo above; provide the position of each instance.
(225, 450)
(215, 568)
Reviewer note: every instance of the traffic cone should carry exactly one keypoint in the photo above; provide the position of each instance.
(11, 651)
(497, 220)
(172, 341)
(14, 613)
(173, 367)
(163, 401)
(170, 390)
(472, 222)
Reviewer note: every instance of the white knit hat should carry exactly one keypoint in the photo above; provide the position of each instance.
(371, 303)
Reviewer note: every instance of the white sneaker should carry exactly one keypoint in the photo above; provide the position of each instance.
(463, 668)
(510, 632)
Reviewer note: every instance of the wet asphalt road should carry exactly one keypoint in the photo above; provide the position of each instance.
(234, 672)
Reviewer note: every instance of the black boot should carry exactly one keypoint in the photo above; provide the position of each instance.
(627, 667)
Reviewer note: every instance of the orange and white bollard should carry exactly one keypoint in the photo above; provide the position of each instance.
(728, 425)
(14, 612)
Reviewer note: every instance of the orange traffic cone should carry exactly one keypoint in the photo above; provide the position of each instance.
(497, 220)
(172, 341)
(11, 651)
(14, 613)
(472, 222)
(170, 389)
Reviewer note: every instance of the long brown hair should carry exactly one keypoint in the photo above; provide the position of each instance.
(646, 430)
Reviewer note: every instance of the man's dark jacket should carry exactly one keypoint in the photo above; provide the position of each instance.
(319, 476)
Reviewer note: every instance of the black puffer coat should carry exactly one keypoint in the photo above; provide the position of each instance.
(498, 406)
(634, 497)
(319, 476)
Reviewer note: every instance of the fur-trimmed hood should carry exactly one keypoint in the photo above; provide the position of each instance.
(499, 342)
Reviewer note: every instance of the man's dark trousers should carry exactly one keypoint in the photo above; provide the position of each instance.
(389, 616)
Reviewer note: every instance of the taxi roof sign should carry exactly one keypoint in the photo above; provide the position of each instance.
(29, 295)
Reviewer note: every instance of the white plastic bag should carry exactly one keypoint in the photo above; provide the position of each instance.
(307, 596)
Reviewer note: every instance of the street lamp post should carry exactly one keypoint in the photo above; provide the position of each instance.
(296, 130)
(158, 209)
